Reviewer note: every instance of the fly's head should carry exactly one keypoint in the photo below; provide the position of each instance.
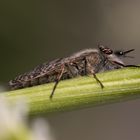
(114, 56)
(105, 50)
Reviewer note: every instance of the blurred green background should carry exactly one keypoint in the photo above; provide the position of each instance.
(33, 32)
(36, 31)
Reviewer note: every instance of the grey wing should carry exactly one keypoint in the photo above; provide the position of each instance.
(25, 79)
(44, 69)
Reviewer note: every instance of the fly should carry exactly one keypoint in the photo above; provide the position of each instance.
(85, 62)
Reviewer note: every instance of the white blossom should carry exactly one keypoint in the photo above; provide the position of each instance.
(14, 126)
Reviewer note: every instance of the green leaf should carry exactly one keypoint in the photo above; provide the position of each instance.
(81, 92)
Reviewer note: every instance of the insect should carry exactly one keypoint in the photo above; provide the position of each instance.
(85, 62)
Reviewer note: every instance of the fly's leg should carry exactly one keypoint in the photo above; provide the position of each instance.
(102, 86)
(135, 66)
(69, 69)
(57, 81)
(89, 68)
(85, 68)
(67, 66)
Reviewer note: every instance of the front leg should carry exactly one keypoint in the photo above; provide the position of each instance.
(135, 66)
(123, 65)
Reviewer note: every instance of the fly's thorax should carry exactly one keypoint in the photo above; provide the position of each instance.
(84, 52)
(95, 61)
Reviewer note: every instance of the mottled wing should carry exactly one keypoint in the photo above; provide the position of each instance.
(32, 77)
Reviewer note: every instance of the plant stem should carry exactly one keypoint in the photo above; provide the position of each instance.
(81, 92)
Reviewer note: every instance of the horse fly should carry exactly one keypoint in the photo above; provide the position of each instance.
(85, 62)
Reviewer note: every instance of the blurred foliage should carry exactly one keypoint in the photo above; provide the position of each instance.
(32, 32)
(14, 124)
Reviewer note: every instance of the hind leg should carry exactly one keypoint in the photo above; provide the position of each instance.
(57, 81)
(60, 75)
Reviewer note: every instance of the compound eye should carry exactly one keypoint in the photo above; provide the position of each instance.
(107, 51)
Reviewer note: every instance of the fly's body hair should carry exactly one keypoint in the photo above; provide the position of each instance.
(85, 62)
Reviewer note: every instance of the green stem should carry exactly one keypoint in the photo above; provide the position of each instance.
(81, 92)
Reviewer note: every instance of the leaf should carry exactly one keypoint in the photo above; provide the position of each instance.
(81, 92)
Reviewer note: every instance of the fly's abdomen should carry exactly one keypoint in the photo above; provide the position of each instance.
(13, 84)
(43, 73)
(18, 84)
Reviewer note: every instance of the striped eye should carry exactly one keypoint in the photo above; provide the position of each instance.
(105, 50)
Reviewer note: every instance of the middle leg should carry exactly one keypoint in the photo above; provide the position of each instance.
(89, 69)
